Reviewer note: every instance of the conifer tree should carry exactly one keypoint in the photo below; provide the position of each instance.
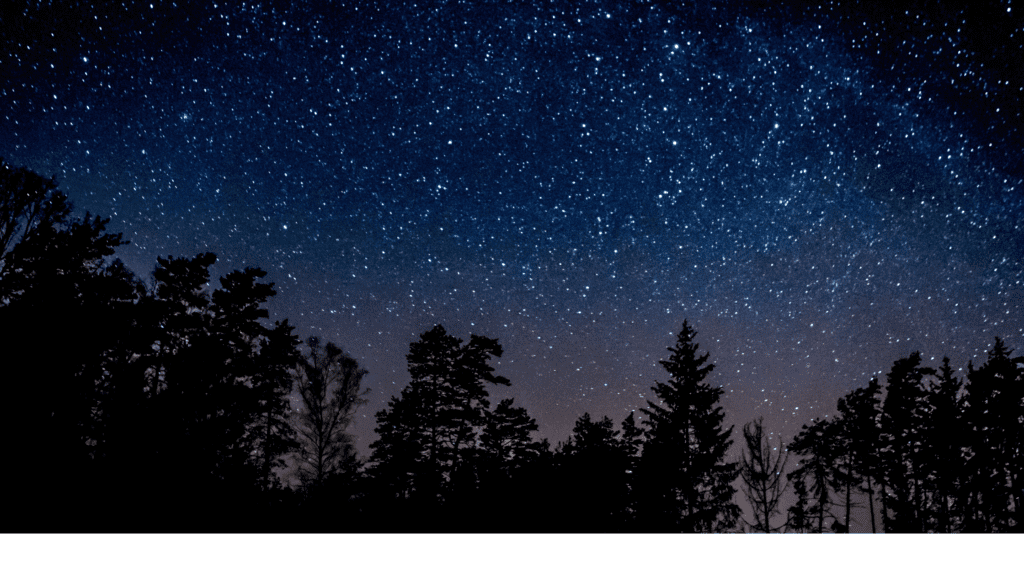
(859, 413)
(592, 477)
(632, 444)
(798, 517)
(63, 308)
(905, 415)
(507, 436)
(944, 456)
(428, 434)
(816, 472)
(994, 415)
(686, 482)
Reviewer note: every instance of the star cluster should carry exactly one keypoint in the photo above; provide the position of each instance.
(819, 188)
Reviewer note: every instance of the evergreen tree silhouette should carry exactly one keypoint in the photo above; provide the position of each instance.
(944, 455)
(507, 437)
(63, 303)
(762, 474)
(427, 449)
(632, 444)
(207, 381)
(994, 414)
(686, 483)
(905, 415)
(509, 457)
(255, 382)
(272, 433)
(592, 479)
(859, 420)
(798, 516)
(816, 472)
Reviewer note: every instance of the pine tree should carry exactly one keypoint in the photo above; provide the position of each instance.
(429, 433)
(905, 414)
(509, 455)
(507, 436)
(994, 414)
(592, 477)
(816, 471)
(944, 455)
(686, 482)
(859, 412)
(798, 516)
(63, 307)
(632, 444)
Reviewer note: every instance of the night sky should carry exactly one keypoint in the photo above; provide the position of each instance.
(819, 189)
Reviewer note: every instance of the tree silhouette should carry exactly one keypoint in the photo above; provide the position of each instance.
(686, 483)
(904, 430)
(508, 467)
(592, 479)
(798, 515)
(944, 456)
(632, 445)
(64, 306)
(762, 475)
(429, 433)
(816, 471)
(329, 384)
(30, 207)
(507, 436)
(272, 434)
(859, 414)
(994, 415)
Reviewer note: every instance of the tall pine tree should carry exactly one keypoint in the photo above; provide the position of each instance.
(686, 482)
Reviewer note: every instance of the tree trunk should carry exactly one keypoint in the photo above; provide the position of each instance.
(266, 455)
(871, 504)
(885, 511)
(849, 487)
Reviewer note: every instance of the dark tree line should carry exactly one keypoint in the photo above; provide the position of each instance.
(134, 406)
(936, 454)
(171, 405)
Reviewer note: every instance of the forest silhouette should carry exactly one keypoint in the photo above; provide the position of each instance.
(165, 408)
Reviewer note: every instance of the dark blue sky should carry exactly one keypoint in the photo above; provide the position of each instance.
(819, 189)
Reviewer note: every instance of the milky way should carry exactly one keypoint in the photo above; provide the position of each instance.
(819, 189)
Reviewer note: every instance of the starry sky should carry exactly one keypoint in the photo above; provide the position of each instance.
(820, 188)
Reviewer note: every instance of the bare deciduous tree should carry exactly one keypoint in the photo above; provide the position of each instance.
(762, 476)
(328, 382)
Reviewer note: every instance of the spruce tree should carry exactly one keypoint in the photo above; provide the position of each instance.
(686, 482)
(945, 454)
